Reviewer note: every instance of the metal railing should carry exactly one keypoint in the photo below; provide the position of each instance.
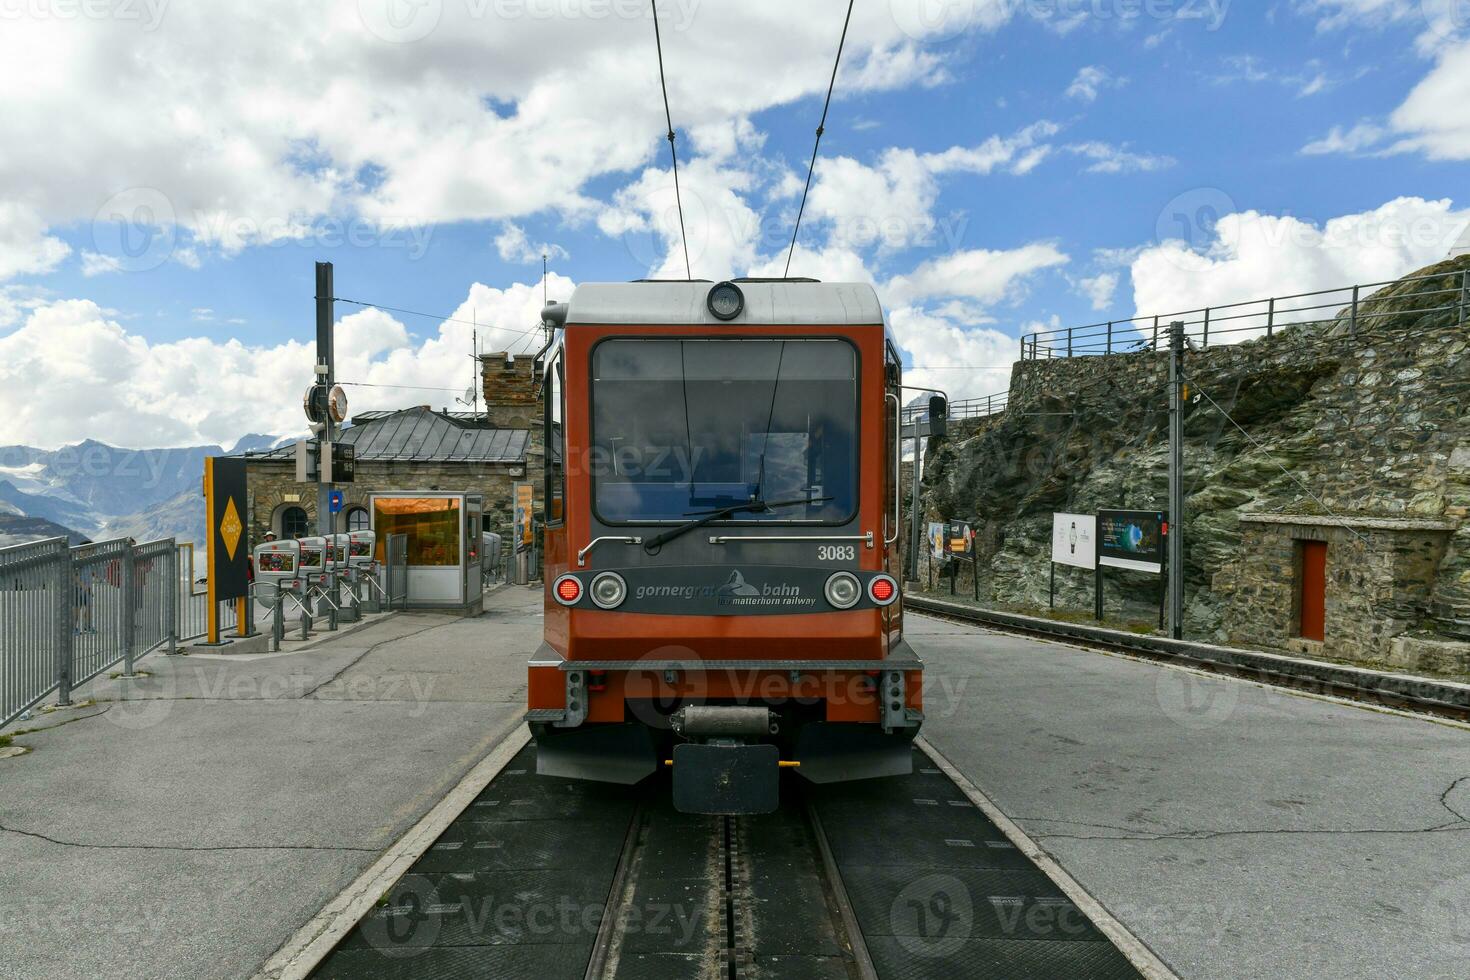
(193, 601)
(395, 572)
(1257, 318)
(68, 614)
(967, 408)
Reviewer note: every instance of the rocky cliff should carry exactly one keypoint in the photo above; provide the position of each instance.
(1337, 418)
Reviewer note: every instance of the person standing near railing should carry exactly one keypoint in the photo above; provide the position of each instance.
(81, 576)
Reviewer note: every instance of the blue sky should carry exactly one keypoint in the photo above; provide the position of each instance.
(991, 166)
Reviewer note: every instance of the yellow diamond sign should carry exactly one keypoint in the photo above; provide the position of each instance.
(230, 528)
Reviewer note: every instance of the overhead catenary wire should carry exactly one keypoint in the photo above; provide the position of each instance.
(821, 128)
(429, 316)
(673, 153)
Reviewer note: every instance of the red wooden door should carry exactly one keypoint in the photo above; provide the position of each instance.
(1314, 590)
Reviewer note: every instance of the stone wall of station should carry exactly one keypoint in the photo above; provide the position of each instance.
(1359, 421)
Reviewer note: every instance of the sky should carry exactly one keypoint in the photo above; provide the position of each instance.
(169, 173)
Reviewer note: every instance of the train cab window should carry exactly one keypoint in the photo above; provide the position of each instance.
(685, 426)
(553, 405)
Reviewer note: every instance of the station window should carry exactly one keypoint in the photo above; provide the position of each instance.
(294, 523)
(357, 519)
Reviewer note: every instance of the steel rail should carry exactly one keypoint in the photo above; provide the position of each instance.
(838, 892)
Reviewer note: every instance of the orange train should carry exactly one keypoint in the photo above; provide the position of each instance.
(721, 542)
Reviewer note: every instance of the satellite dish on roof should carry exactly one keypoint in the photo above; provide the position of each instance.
(469, 397)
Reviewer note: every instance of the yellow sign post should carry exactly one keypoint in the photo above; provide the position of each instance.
(224, 557)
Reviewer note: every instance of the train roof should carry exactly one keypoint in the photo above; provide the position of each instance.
(682, 302)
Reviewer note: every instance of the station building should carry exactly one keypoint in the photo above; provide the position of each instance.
(414, 450)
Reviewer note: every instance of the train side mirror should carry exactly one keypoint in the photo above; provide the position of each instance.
(938, 417)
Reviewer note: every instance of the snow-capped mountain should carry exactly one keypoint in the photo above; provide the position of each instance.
(96, 490)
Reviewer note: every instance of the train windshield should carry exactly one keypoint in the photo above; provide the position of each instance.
(681, 427)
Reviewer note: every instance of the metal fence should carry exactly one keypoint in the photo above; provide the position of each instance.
(193, 601)
(68, 614)
(967, 408)
(396, 570)
(1234, 322)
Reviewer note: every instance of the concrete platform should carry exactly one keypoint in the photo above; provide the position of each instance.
(1240, 831)
(188, 822)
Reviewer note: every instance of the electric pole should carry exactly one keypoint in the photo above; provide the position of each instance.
(1176, 480)
(324, 377)
(916, 534)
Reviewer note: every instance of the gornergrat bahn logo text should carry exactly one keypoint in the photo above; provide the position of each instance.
(735, 592)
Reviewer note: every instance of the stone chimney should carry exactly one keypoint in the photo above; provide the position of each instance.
(511, 392)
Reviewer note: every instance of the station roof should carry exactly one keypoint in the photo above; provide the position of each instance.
(787, 301)
(422, 435)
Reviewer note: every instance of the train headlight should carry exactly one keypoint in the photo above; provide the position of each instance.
(568, 590)
(843, 590)
(883, 589)
(609, 590)
(725, 301)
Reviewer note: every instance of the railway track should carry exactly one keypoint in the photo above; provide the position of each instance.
(882, 879)
(1442, 699)
(729, 898)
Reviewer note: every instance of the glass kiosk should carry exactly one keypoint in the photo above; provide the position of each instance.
(443, 532)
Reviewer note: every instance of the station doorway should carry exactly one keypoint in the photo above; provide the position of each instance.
(1312, 590)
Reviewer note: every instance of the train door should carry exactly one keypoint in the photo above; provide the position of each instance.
(893, 482)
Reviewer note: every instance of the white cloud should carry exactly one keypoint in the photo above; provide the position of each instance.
(1433, 119)
(891, 202)
(513, 246)
(71, 371)
(97, 264)
(964, 361)
(981, 275)
(309, 111)
(1337, 14)
(1090, 81)
(1109, 159)
(1099, 289)
(25, 248)
(1255, 256)
(1364, 136)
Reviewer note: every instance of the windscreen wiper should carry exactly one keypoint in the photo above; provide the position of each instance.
(709, 517)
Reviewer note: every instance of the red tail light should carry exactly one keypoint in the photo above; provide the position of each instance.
(883, 590)
(568, 590)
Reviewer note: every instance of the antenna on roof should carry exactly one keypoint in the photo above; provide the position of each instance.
(472, 393)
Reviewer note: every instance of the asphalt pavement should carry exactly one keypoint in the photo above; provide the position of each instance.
(188, 822)
(1240, 831)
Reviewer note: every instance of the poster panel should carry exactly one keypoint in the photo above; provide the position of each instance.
(1131, 539)
(1074, 540)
